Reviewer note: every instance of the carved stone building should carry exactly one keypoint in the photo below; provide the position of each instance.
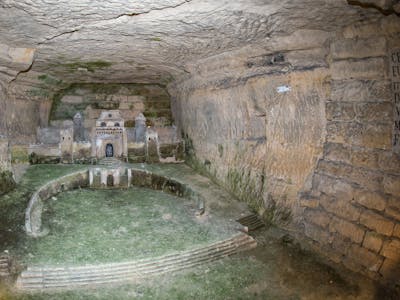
(110, 138)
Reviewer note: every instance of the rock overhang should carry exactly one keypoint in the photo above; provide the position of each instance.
(155, 41)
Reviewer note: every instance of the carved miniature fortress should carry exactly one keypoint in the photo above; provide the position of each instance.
(70, 142)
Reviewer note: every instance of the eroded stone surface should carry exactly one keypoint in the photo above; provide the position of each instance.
(288, 104)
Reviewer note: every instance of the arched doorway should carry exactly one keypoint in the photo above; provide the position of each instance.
(109, 150)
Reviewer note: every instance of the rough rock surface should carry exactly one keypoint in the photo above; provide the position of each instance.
(152, 40)
(288, 104)
(303, 132)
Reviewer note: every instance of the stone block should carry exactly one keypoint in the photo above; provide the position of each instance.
(396, 231)
(361, 157)
(337, 152)
(358, 48)
(391, 185)
(370, 200)
(362, 30)
(390, 270)
(336, 132)
(341, 207)
(361, 90)
(377, 222)
(317, 217)
(316, 233)
(373, 241)
(323, 183)
(367, 179)
(306, 59)
(309, 202)
(393, 208)
(374, 112)
(389, 162)
(378, 136)
(300, 39)
(390, 25)
(336, 169)
(72, 99)
(368, 68)
(391, 249)
(340, 244)
(340, 111)
(366, 258)
(367, 135)
(347, 229)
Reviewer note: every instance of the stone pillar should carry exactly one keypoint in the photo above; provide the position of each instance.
(66, 144)
(103, 177)
(117, 177)
(129, 172)
(78, 127)
(152, 147)
(140, 128)
(90, 177)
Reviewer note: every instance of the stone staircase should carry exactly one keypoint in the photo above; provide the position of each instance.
(38, 278)
(110, 162)
(4, 265)
(252, 222)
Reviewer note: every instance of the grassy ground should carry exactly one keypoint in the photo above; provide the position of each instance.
(92, 226)
(276, 269)
(216, 281)
(13, 205)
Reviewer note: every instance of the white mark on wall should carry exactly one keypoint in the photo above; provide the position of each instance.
(283, 89)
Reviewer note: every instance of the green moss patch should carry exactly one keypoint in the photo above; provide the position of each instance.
(7, 182)
(13, 205)
(19, 154)
(49, 80)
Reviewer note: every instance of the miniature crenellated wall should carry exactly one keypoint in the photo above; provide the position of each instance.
(304, 132)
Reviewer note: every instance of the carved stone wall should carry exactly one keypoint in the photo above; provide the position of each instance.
(305, 135)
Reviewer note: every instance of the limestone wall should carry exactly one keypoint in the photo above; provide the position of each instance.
(52, 150)
(303, 132)
(129, 99)
(353, 209)
(18, 116)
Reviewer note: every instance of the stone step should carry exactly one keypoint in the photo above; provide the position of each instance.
(132, 269)
(105, 269)
(133, 275)
(110, 161)
(252, 222)
(73, 282)
(237, 238)
(58, 277)
(104, 279)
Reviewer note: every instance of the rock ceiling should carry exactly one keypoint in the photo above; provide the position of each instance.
(155, 40)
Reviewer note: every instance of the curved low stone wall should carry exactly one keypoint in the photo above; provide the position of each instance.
(33, 213)
(145, 178)
(140, 177)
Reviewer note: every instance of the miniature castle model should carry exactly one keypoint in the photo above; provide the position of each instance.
(110, 138)
(78, 141)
